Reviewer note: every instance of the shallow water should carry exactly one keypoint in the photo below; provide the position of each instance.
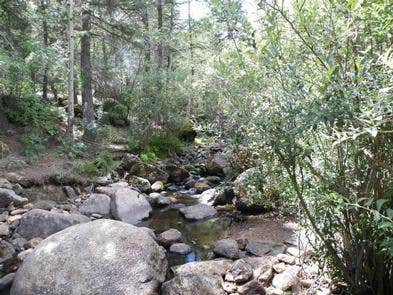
(200, 235)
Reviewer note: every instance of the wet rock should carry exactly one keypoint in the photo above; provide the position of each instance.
(286, 279)
(70, 192)
(96, 204)
(7, 280)
(41, 223)
(139, 183)
(210, 267)
(157, 186)
(118, 258)
(240, 272)
(201, 187)
(251, 288)
(207, 197)
(198, 212)
(193, 284)
(129, 206)
(4, 229)
(8, 196)
(227, 248)
(180, 248)
(213, 180)
(4, 183)
(176, 174)
(169, 237)
(158, 200)
(259, 248)
(190, 183)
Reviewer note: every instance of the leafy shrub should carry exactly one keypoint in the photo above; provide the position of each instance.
(118, 115)
(164, 145)
(71, 150)
(102, 165)
(34, 145)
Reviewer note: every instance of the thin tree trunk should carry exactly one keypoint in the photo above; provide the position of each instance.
(76, 87)
(159, 4)
(45, 33)
(87, 96)
(171, 24)
(71, 115)
(145, 20)
(191, 46)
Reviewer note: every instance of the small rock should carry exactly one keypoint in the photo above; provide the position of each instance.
(4, 229)
(242, 243)
(277, 249)
(251, 288)
(266, 276)
(96, 216)
(102, 180)
(19, 243)
(306, 283)
(198, 212)
(34, 242)
(229, 287)
(157, 186)
(96, 204)
(259, 248)
(169, 237)
(139, 183)
(286, 279)
(18, 211)
(227, 248)
(240, 272)
(8, 196)
(4, 183)
(6, 281)
(7, 253)
(193, 284)
(70, 192)
(14, 218)
(180, 248)
(279, 267)
(201, 187)
(286, 258)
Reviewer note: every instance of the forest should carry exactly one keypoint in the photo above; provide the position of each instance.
(186, 147)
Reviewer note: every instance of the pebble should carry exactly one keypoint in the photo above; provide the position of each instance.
(18, 211)
(4, 229)
(279, 267)
(13, 218)
(286, 258)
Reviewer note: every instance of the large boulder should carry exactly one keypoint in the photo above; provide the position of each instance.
(97, 258)
(39, 223)
(129, 206)
(8, 196)
(194, 284)
(198, 212)
(227, 248)
(249, 192)
(96, 203)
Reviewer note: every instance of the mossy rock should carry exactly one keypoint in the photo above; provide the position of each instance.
(187, 133)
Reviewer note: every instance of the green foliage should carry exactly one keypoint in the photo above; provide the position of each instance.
(72, 150)
(34, 144)
(102, 165)
(118, 114)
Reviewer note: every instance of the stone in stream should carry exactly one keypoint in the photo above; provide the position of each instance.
(96, 258)
(96, 204)
(198, 212)
(201, 186)
(227, 248)
(8, 196)
(157, 186)
(169, 237)
(180, 248)
(194, 284)
(176, 174)
(129, 206)
(158, 200)
(41, 223)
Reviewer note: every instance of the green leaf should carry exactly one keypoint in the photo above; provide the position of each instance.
(380, 203)
(389, 213)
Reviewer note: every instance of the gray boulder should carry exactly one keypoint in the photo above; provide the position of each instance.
(129, 206)
(180, 248)
(176, 174)
(8, 196)
(42, 224)
(96, 258)
(194, 284)
(139, 183)
(198, 212)
(227, 248)
(4, 183)
(209, 267)
(286, 279)
(96, 204)
(259, 248)
(240, 272)
(169, 237)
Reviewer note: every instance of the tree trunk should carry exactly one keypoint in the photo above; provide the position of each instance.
(159, 4)
(145, 20)
(87, 96)
(45, 33)
(71, 115)
(171, 25)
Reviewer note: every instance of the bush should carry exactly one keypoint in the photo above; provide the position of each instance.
(102, 165)
(34, 145)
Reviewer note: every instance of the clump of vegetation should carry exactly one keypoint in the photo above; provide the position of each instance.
(103, 164)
